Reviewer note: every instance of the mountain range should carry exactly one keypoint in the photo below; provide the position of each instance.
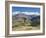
(31, 17)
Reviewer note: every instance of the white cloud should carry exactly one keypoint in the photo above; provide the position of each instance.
(28, 13)
(15, 12)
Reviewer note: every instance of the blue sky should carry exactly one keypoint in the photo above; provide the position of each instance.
(25, 10)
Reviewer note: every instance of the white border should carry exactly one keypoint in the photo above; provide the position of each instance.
(23, 32)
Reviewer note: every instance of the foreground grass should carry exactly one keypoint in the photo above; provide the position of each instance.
(25, 28)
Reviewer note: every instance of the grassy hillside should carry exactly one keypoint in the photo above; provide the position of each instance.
(25, 22)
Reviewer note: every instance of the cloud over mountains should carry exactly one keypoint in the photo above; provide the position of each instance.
(27, 13)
